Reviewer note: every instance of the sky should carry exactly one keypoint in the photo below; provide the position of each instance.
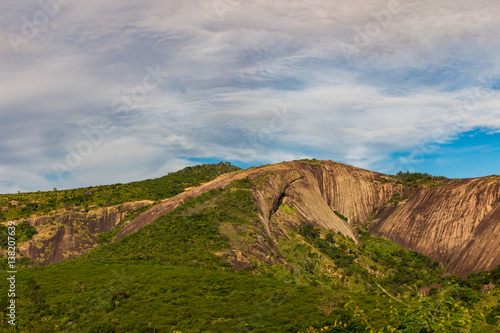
(101, 92)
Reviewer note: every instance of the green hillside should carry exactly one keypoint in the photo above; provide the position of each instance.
(175, 275)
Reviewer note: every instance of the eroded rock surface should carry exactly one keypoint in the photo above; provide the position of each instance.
(315, 190)
(458, 221)
(71, 233)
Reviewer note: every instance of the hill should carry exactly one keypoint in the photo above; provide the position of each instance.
(303, 246)
(71, 222)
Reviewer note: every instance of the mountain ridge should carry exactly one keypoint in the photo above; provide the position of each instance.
(449, 220)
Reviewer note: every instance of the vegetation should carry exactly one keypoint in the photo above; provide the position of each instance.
(396, 199)
(24, 232)
(382, 288)
(413, 179)
(416, 179)
(189, 235)
(175, 275)
(163, 290)
(144, 297)
(340, 215)
(310, 160)
(287, 209)
(16, 206)
(171, 239)
(374, 260)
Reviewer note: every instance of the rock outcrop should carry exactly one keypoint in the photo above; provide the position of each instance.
(315, 190)
(457, 222)
(69, 234)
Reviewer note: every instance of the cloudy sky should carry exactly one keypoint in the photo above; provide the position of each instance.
(98, 92)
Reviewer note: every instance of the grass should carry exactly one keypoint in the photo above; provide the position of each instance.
(287, 209)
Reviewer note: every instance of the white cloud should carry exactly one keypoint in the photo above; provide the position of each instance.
(228, 79)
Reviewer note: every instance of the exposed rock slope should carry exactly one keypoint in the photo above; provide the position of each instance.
(456, 222)
(482, 250)
(315, 190)
(69, 234)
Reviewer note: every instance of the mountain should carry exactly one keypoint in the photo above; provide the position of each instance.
(453, 221)
(448, 220)
(285, 247)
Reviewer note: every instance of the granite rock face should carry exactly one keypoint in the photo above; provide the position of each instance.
(458, 222)
(315, 190)
(69, 234)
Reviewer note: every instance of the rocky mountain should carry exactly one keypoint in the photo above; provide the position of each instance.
(302, 246)
(453, 221)
(457, 222)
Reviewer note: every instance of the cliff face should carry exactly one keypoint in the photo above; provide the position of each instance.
(314, 190)
(457, 222)
(482, 250)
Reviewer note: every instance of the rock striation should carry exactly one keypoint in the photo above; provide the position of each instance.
(457, 222)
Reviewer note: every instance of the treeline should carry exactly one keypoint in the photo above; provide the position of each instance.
(16, 206)
(416, 178)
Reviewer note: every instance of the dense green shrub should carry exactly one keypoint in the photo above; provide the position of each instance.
(493, 315)
(416, 178)
(308, 230)
(340, 215)
(464, 294)
(142, 296)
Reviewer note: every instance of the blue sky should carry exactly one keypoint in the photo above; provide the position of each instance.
(472, 154)
(101, 92)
